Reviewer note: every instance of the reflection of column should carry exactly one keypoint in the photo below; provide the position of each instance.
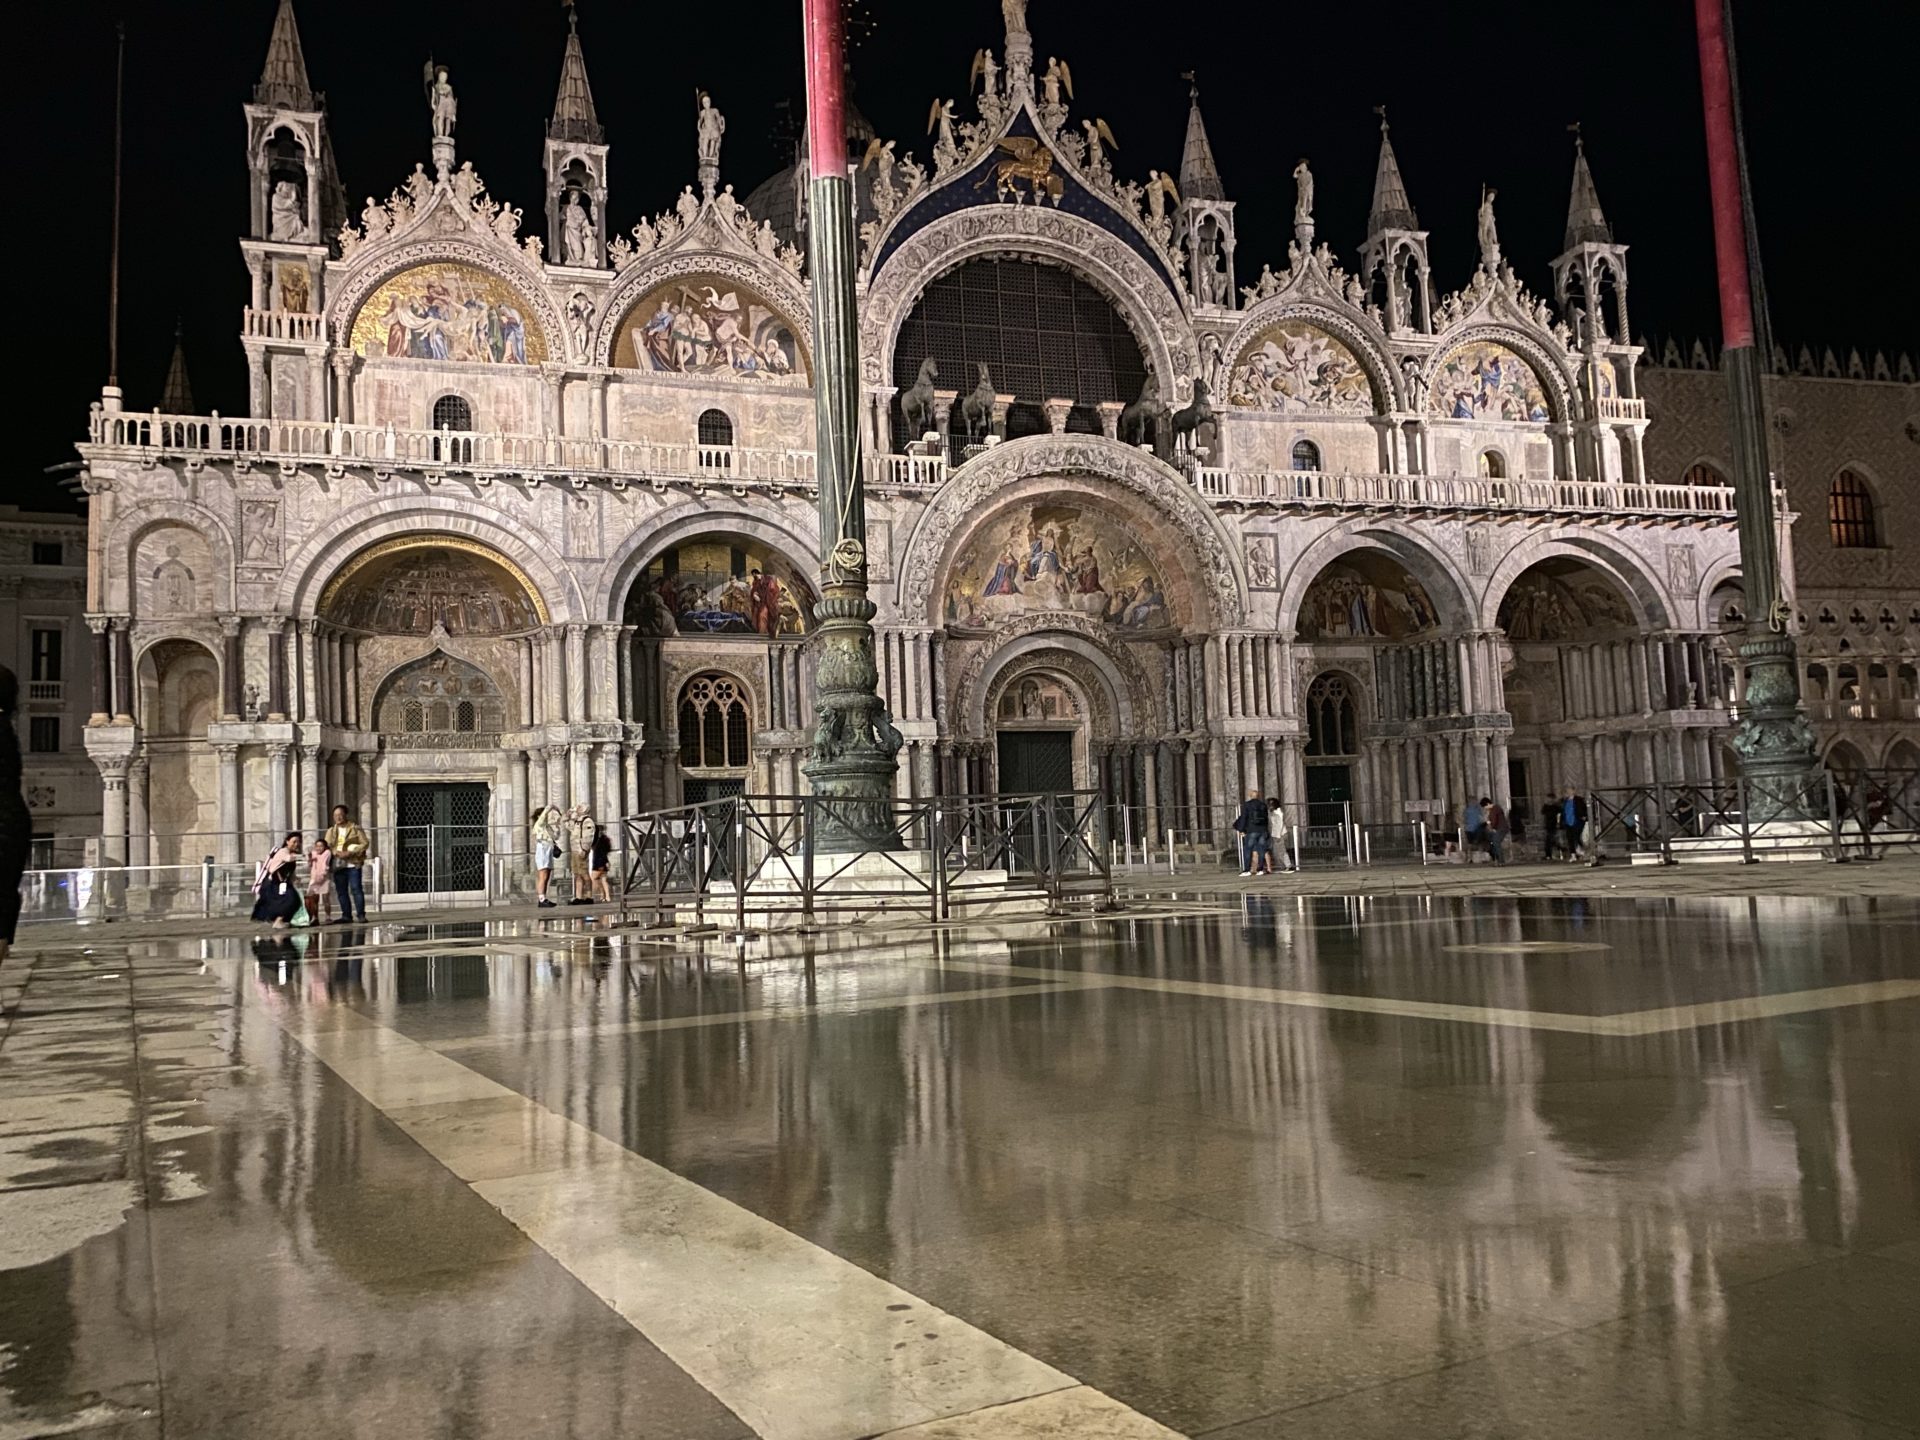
(227, 775)
(276, 793)
(139, 827)
(1151, 785)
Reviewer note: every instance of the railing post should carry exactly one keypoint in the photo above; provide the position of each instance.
(206, 889)
(1834, 824)
(1666, 822)
(1420, 826)
(739, 866)
(1172, 869)
(807, 806)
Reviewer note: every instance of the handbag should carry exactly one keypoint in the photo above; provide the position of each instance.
(300, 916)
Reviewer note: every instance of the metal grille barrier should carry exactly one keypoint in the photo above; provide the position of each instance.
(1816, 815)
(942, 855)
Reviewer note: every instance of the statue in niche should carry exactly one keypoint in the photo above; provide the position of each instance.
(709, 126)
(1302, 196)
(1210, 360)
(1489, 236)
(294, 292)
(580, 322)
(173, 585)
(576, 232)
(287, 220)
(440, 101)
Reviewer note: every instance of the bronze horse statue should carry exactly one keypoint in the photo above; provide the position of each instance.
(1140, 421)
(976, 411)
(916, 404)
(1188, 419)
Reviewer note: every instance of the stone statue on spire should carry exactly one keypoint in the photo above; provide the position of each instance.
(1489, 236)
(1303, 204)
(709, 126)
(441, 101)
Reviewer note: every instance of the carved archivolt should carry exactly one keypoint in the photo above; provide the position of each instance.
(765, 276)
(973, 486)
(384, 262)
(1156, 314)
(1068, 643)
(1350, 327)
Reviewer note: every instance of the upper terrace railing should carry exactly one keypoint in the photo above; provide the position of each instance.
(156, 435)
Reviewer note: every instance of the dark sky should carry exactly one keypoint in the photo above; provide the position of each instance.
(1479, 92)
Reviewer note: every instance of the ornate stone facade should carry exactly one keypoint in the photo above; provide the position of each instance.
(590, 476)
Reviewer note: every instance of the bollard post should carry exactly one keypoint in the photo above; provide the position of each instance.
(206, 888)
(1420, 828)
(1745, 799)
(1172, 868)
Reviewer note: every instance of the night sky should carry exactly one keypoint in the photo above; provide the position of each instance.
(1475, 92)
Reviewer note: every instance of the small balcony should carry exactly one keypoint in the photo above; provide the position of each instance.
(284, 325)
(45, 691)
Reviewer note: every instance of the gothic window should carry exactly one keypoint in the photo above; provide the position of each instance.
(1306, 455)
(714, 428)
(714, 729)
(1702, 473)
(463, 716)
(441, 697)
(413, 717)
(1333, 724)
(1850, 513)
(1493, 465)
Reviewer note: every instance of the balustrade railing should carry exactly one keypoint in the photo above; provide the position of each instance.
(284, 325)
(1312, 488)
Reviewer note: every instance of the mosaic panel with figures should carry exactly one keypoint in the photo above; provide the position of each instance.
(1563, 600)
(1048, 557)
(1365, 597)
(1295, 367)
(720, 586)
(448, 311)
(708, 325)
(415, 588)
(1484, 380)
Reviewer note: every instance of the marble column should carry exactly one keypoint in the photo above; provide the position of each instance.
(311, 812)
(113, 811)
(139, 825)
(227, 804)
(1497, 763)
(576, 643)
(369, 815)
(277, 792)
(102, 676)
(336, 783)
(276, 670)
(580, 786)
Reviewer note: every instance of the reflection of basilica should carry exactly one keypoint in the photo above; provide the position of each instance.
(509, 517)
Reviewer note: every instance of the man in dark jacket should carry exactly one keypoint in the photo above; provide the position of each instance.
(1256, 838)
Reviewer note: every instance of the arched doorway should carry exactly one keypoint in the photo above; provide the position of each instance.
(179, 697)
(442, 705)
(1333, 747)
(1040, 734)
(1590, 687)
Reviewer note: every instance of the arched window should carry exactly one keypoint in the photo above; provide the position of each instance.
(413, 717)
(1493, 465)
(1306, 455)
(1333, 724)
(452, 413)
(1702, 473)
(1850, 513)
(714, 428)
(714, 728)
(463, 717)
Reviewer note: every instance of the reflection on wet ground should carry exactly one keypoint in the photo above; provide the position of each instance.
(1233, 1165)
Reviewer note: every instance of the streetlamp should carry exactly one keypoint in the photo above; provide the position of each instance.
(1774, 743)
(855, 744)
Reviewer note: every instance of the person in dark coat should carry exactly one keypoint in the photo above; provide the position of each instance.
(278, 883)
(16, 827)
(1256, 835)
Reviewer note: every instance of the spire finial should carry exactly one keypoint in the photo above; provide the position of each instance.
(1392, 208)
(283, 79)
(1586, 221)
(1199, 175)
(573, 113)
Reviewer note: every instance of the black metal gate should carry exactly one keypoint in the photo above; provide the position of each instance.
(1035, 762)
(442, 837)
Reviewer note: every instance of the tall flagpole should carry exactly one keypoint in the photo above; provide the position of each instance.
(1772, 738)
(855, 744)
(112, 392)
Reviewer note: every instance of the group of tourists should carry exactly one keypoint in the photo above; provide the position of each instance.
(1565, 832)
(589, 852)
(295, 886)
(1486, 826)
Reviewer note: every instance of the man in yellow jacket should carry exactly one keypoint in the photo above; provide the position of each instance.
(349, 844)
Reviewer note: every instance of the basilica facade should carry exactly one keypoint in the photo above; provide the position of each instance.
(519, 517)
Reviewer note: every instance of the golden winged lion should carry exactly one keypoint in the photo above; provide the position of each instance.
(1026, 159)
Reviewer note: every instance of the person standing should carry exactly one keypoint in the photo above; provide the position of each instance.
(1496, 829)
(580, 832)
(1256, 838)
(547, 828)
(602, 859)
(1473, 828)
(349, 844)
(16, 826)
(1549, 827)
(319, 881)
(1573, 821)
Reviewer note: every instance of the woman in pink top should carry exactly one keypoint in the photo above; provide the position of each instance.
(319, 880)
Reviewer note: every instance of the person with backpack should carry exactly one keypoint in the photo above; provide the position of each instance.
(1573, 823)
(1256, 838)
(602, 855)
(1496, 829)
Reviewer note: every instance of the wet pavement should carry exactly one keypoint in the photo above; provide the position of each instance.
(1237, 1163)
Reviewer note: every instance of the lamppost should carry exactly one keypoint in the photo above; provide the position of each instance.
(855, 744)
(1772, 738)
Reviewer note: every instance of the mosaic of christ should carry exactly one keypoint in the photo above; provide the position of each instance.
(1043, 558)
(698, 326)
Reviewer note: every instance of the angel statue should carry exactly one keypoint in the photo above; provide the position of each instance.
(941, 116)
(985, 73)
(879, 158)
(1097, 133)
(1057, 76)
(1489, 237)
(440, 100)
(1160, 189)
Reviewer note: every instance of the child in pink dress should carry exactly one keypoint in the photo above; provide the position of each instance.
(319, 881)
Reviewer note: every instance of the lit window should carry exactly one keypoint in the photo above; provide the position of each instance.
(1850, 513)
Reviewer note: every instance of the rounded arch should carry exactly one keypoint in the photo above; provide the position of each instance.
(1437, 573)
(1106, 670)
(1705, 470)
(310, 570)
(1155, 313)
(1652, 607)
(1350, 327)
(991, 480)
(1548, 367)
(136, 522)
(770, 281)
(777, 530)
(463, 266)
